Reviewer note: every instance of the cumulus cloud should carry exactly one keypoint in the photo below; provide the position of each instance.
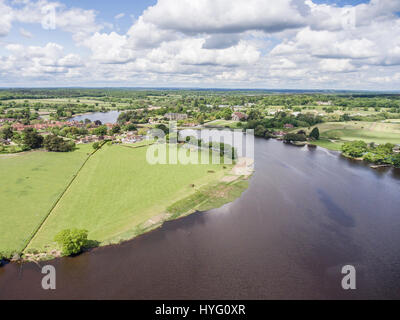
(274, 43)
(226, 16)
(6, 15)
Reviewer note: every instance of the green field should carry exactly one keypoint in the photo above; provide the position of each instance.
(334, 134)
(223, 123)
(30, 185)
(118, 194)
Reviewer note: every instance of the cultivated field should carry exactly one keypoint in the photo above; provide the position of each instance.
(118, 194)
(30, 185)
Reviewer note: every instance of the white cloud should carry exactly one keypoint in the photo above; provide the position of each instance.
(277, 43)
(226, 16)
(6, 18)
(25, 33)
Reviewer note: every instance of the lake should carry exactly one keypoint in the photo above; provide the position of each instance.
(307, 213)
(104, 117)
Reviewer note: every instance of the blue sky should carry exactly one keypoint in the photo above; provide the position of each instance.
(342, 44)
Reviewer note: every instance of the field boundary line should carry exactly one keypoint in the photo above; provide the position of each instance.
(35, 232)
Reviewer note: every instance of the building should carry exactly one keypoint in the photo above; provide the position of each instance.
(239, 116)
(288, 126)
(323, 103)
(175, 116)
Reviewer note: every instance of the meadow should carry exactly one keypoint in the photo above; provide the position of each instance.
(30, 185)
(118, 194)
(334, 134)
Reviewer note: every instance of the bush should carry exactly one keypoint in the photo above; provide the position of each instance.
(72, 241)
(96, 145)
(295, 137)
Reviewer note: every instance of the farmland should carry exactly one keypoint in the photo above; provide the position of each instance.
(118, 195)
(31, 184)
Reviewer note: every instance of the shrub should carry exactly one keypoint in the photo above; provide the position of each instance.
(295, 137)
(315, 134)
(72, 241)
(96, 145)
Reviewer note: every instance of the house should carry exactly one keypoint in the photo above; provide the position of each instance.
(239, 116)
(288, 126)
(396, 149)
(175, 116)
(279, 133)
(323, 103)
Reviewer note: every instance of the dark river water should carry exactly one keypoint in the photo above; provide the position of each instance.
(104, 117)
(306, 214)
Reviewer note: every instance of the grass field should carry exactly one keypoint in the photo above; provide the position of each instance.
(223, 123)
(30, 184)
(378, 132)
(334, 134)
(118, 192)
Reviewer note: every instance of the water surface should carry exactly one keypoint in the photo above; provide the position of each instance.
(104, 117)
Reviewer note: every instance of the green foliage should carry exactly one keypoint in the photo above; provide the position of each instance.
(96, 145)
(396, 160)
(116, 129)
(355, 149)
(7, 132)
(259, 131)
(315, 134)
(72, 241)
(57, 144)
(295, 137)
(100, 131)
(130, 127)
(32, 139)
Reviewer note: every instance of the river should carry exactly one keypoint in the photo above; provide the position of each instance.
(307, 213)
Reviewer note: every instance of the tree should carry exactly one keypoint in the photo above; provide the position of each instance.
(130, 127)
(396, 160)
(116, 129)
(355, 149)
(7, 132)
(72, 241)
(100, 131)
(254, 114)
(96, 145)
(58, 144)
(259, 131)
(32, 139)
(294, 137)
(315, 134)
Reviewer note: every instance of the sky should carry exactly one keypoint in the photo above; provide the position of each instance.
(266, 44)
